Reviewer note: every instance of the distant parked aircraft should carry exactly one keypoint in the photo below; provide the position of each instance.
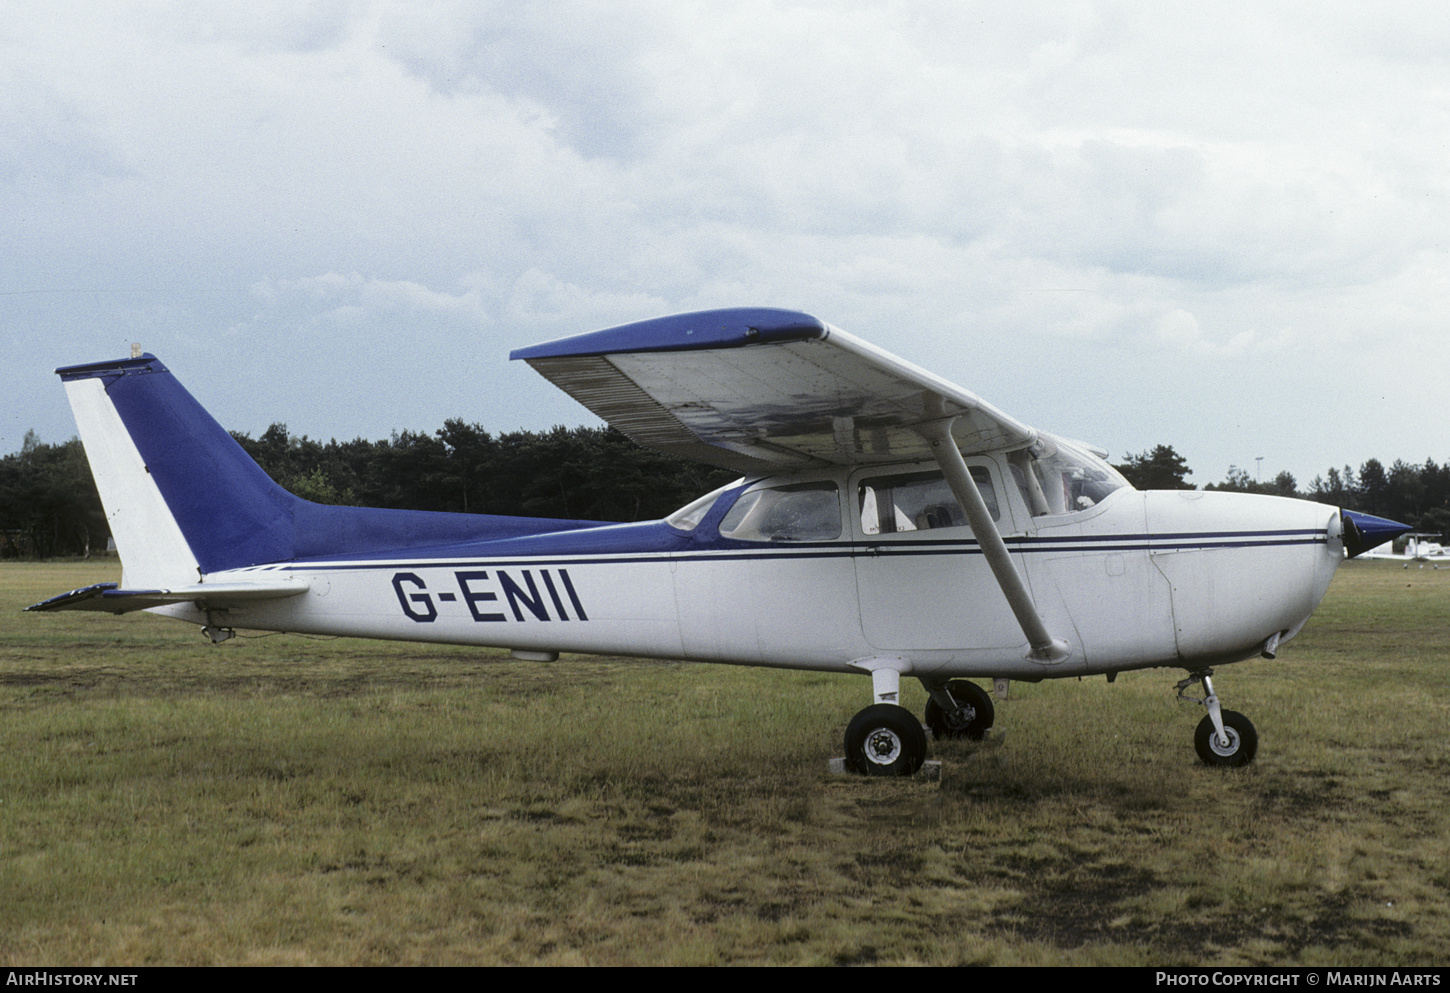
(1417, 549)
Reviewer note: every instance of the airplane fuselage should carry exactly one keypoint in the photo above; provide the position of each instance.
(1139, 579)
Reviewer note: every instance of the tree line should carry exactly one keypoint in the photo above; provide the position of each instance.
(49, 506)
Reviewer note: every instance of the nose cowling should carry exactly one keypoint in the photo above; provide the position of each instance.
(1365, 531)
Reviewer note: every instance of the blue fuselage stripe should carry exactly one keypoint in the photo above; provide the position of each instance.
(1027, 545)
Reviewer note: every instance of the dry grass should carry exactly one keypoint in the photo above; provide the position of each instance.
(292, 801)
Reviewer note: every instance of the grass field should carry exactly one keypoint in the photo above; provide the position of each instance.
(283, 800)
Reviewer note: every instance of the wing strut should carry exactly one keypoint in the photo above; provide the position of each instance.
(1045, 648)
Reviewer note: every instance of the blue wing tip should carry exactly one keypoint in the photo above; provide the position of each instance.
(734, 327)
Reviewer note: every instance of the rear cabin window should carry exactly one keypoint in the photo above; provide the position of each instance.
(798, 512)
(688, 517)
(918, 501)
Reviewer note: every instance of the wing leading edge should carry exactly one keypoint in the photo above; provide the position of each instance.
(760, 390)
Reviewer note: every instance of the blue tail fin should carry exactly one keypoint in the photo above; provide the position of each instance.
(226, 509)
(183, 499)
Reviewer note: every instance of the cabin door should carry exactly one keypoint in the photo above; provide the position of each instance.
(922, 580)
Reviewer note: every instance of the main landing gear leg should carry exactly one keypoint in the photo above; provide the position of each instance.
(885, 739)
(1224, 738)
(958, 709)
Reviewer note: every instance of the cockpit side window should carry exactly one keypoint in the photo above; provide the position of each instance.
(795, 512)
(918, 501)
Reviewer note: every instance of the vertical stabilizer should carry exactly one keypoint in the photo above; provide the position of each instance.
(181, 496)
(184, 500)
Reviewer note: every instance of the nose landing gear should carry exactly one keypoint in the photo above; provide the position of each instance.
(1224, 738)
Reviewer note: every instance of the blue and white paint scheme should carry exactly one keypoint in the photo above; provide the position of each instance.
(887, 522)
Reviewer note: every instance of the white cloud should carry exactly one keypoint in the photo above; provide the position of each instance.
(1063, 189)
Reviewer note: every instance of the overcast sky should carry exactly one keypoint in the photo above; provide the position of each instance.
(1220, 226)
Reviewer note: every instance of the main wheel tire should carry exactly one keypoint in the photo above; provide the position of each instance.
(885, 740)
(1243, 741)
(972, 720)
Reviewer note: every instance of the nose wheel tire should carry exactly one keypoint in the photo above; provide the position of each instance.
(972, 719)
(885, 740)
(1243, 741)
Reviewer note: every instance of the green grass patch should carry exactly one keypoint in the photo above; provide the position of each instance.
(286, 800)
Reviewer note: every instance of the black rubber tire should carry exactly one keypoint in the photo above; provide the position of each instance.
(1243, 741)
(885, 740)
(971, 697)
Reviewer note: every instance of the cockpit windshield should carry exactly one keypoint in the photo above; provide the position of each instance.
(1056, 477)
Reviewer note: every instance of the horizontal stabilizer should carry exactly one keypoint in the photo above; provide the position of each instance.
(109, 598)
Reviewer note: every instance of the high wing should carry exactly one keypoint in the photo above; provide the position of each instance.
(760, 390)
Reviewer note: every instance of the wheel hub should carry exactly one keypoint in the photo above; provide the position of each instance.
(1218, 746)
(959, 719)
(883, 747)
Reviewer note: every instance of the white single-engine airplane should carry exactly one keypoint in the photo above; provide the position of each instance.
(888, 523)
